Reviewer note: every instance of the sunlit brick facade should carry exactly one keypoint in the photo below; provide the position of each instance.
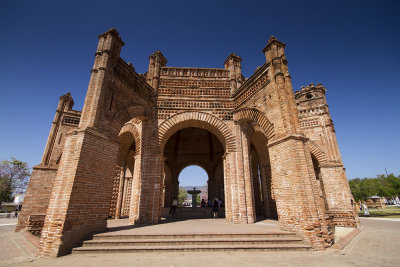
(268, 152)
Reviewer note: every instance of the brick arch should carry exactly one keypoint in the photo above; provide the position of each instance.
(128, 134)
(126, 114)
(200, 120)
(256, 116)
(316, 151)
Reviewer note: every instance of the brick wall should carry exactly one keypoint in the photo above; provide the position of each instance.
(37, 195)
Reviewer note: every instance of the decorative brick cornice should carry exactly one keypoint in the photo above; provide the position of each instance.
(46, 167)
(331, 165)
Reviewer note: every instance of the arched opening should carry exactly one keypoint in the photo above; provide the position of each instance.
(124, 199)
(264, 199)
(189, 178)
(187, 147)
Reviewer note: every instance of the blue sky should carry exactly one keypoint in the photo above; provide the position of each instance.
(351, 47)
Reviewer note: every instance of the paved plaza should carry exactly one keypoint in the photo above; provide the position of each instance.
(378, 244)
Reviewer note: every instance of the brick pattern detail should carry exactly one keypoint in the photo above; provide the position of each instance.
(194, 72)
(115, 193)
(35, 224)
(312, 123)
(127, 203)
(249, 90)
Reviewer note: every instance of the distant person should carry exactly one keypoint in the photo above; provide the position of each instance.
(173, 207)
(215, 207)
(209, 203)
(203, 203)
(366, 212)
(16, 213)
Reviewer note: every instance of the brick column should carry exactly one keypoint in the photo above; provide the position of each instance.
(82, 192)
(338, 195)
(297, 199)
(244, 182)
(151, 174)
(121, 186)
(136, 191)
(230, 183)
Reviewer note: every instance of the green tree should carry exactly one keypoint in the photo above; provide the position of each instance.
(383, 186)
(14, 178)
(182, 195)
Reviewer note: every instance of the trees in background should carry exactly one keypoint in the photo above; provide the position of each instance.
(182, 195)
(14, 178)
(383, 186)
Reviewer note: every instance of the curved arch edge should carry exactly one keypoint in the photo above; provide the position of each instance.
(196, 119)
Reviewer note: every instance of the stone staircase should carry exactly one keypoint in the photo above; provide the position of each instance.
(109, 243)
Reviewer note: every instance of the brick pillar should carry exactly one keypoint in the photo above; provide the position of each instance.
(297, 198)
(243, 176)
(82, 191)
(118, 209)
(212, 192)
(151, 174)
(338, 195)
(229, 185)
(136, 191)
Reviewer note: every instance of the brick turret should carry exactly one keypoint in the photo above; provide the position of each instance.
(156, 61)
(107, 54)
(233, 65)
(275, 56)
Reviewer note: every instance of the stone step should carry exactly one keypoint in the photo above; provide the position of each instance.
(105, 236)
(197, 241)
(131, 249)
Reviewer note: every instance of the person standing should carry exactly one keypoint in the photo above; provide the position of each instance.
(173, 207)
(366, 212)
(215, 207)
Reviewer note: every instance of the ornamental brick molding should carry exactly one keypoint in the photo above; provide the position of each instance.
(197, 119)
(268, 152)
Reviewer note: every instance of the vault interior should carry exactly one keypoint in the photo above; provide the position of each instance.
(193, 146)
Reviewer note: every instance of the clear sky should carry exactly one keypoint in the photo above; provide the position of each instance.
(351, 47)
(193, 175)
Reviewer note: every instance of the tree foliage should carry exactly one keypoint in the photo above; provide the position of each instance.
(14, 178)
(182, 195)
(383, 186)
